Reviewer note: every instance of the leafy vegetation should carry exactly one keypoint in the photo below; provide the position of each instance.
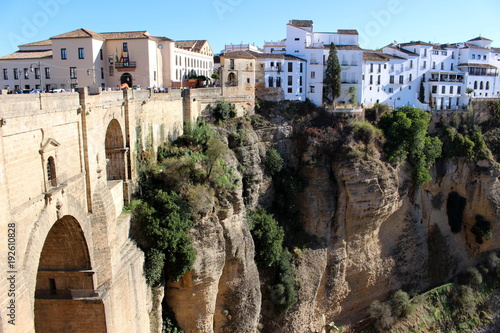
(176, 189)
(224, 110)
(274, 161)
(165, 221)
(406, 132)
(454, 307)
(268, 237)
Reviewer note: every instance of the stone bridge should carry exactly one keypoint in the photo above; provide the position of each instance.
(67, 167)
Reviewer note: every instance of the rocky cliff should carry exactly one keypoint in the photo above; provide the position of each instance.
(373, 233)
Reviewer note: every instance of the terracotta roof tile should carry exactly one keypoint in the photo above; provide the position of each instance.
(344, 47)
(125, 35)
(79, 33)
(476, 65)
(190, 45)
(479, 38)
(379, 56)
(40, 43)
(43, 54)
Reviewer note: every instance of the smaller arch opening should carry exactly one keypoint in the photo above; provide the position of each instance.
(51, 172)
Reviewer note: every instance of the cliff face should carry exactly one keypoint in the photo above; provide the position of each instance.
(375, 233)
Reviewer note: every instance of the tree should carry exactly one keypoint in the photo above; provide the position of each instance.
(421, 93)
(268, 237)
(354, 99)
(332, 84)
(406, 132)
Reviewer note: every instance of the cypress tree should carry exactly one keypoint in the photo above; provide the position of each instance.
(332, 84)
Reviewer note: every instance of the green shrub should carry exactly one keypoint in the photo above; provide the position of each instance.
(196, 133)
(406, 133)
(283, 294)
(366, 131)
(274, 161)
(165, 221)
(154, 262)
(224, 110)
(381, 312)
(268, 237)
(400, 303)
(473, 277)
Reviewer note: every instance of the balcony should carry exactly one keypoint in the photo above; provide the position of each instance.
(130, 64)
(274, 69)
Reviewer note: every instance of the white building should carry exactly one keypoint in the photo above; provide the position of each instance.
(83, 58)
(416, 74)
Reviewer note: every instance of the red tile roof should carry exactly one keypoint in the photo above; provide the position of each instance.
(43, 54)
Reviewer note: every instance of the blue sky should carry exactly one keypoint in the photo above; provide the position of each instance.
(252, 21)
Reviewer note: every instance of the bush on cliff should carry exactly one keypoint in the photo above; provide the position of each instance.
(406, 131)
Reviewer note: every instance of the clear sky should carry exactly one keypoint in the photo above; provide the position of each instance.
(379, 22)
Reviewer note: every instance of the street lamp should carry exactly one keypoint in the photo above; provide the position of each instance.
(39, 67)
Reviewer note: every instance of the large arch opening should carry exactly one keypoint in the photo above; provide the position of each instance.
(65, 299)
(116, 165)
(126, 78)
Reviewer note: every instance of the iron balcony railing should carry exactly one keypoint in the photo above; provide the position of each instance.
(129, 64)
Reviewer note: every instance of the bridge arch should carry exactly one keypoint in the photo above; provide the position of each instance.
(65, 299)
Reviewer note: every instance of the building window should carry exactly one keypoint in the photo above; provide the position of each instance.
(26, 73)
(487, 85)
(64, 55)
(410, 77)
(37, 73)
(278, 82)
(248, 80)
(290, 80)
(290, 90)
(401, 79)
(290, 67)
(313, 75)
(271, 82)
(371, 79)
(451, 67)
(435, 52)
(473, 56)
(102, 73)
(51, 172)
(300, 81)
(443, 90)
(231, 63)
(47, 72)
(484, 57)
(379, 68)
(312, 89)
(433, 65)
(459, 90)
(451, 89)
(444, 53)
(125, 47)
(378, 79)
(442, 66)
(100, 54)
(81, 53)
(391, 90)
(5, 74)
(481, 85)
(434, 89)
(72, 72)
(391, 79)
(371, 68)
(16, 74)
(425, 52)
(297, 38)
(301, 67)
(411, 63)
(475, 85)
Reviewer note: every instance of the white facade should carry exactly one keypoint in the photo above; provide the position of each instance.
(83, 58)
(419, 74)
